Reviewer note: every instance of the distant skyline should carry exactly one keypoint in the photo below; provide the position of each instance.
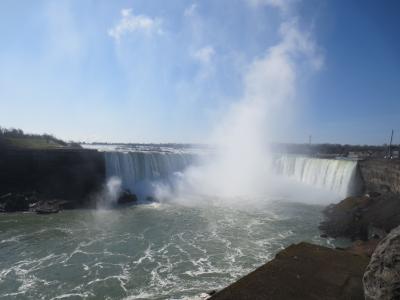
(167, 71)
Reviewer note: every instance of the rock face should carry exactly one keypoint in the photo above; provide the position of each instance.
(11, 202)
(68, 174)
(47, 207)
(382, 277)
(302, 271)
(381, 175)
(362, 217)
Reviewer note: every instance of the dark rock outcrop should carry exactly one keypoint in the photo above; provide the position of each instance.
(362, 217)
(47, 207)
(382, 277)
(12, 202)
(126, 197)
(68, 174)
(302, 271)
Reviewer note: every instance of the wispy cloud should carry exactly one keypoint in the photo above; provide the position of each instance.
(130, 23)
(283, 5)
(189, 11)
(204, 55)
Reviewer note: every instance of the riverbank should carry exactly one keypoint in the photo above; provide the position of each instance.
(365, 217)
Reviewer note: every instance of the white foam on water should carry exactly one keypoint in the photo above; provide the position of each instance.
(82, 295)
(162, 251)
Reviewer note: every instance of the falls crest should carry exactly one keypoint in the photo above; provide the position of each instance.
(139, 170)
(338, 176)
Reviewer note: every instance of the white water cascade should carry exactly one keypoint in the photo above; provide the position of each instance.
(139, 170)
(336, 175)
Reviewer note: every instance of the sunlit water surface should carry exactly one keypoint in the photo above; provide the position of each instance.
(154, 251)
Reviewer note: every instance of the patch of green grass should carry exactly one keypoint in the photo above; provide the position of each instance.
(32, 142)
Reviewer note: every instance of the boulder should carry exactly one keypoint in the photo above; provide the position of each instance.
(360, 218)
(47, 207)
(382, 276)
(151, 199)
(126, 197)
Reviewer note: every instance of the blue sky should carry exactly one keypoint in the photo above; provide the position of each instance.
(168, 71)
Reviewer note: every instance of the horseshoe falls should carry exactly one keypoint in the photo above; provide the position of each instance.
(138, 171)
(336, 175)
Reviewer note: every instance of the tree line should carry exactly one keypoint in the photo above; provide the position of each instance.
(19, 133)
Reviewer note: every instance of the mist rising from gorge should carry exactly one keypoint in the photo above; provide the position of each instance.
(241, 163)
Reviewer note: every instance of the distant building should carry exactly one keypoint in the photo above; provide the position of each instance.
(359, 154)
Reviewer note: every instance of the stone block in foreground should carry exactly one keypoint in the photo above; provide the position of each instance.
(302, 271)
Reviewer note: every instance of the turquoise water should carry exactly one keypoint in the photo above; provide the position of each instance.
(153, 251)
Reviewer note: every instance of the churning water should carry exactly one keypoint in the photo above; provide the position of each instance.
(154, 251)
(172, 250)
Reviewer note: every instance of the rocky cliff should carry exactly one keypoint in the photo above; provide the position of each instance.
(380, 175)
(69, 174)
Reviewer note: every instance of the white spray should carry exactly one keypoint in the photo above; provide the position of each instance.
(110, 193)
(241, 164)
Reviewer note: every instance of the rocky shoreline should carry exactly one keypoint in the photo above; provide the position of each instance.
(372, 215)
(369, 269)
(32, 202)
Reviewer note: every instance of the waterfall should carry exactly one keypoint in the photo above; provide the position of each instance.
(336, 175)
(139, 170)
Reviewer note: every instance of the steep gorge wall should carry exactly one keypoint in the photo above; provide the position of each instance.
(70, 174)
(380, 175)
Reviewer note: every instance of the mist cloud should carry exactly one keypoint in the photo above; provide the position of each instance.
(241, 164)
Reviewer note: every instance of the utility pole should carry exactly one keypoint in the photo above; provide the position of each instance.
(390, 145)
(309, 139)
